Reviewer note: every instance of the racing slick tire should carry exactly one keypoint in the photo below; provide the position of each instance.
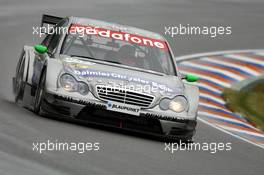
(40, 92)
(186, 139)
(171, 138)
(19, 84)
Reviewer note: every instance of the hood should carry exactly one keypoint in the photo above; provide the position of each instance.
(109, 74)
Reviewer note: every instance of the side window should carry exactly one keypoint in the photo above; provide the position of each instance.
(53, 43)
(46, 40)
(52, 40)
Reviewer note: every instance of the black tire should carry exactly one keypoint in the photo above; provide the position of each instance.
(19, 85)
(40, 92)
(187, 138)
(171, 138)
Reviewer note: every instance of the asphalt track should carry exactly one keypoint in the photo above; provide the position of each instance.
(122, 153)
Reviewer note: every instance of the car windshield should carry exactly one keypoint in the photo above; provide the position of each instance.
(118, 47)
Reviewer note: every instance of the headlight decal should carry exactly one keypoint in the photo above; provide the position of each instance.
(178, 104)
(70, 84)
(165, 103)
(83, 88)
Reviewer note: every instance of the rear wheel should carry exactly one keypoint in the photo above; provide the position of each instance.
(40, 92)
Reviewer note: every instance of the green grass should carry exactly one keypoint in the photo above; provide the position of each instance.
(248, 103)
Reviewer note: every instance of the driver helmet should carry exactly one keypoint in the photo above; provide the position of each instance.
(127, 55)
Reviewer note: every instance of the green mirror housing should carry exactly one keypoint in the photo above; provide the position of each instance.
(40, 48)
(192, 78)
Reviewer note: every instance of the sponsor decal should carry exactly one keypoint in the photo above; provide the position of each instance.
(72, 63)
(95, 73)
(124, 108)
(78, 66)
(74, 60)
(128, 37)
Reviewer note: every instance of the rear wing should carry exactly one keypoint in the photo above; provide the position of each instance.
(51, 20)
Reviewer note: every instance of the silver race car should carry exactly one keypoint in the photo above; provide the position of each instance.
(108, 74)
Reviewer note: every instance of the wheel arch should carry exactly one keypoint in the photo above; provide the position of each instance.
(29, 63)
(54, 68)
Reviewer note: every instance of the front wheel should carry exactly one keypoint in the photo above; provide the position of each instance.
(172, 138)
(19, 84)
(40, 92)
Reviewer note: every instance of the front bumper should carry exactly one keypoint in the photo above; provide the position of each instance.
(95, 111)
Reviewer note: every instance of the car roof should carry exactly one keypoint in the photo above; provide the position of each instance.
(116, 27)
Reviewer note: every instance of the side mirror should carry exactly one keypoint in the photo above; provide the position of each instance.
(40, 48)
(190, 77)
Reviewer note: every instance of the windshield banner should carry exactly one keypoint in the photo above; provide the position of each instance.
(132, 38)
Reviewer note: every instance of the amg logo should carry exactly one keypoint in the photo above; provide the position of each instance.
(114, 106)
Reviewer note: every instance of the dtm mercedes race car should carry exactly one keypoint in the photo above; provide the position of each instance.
(109, 74)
